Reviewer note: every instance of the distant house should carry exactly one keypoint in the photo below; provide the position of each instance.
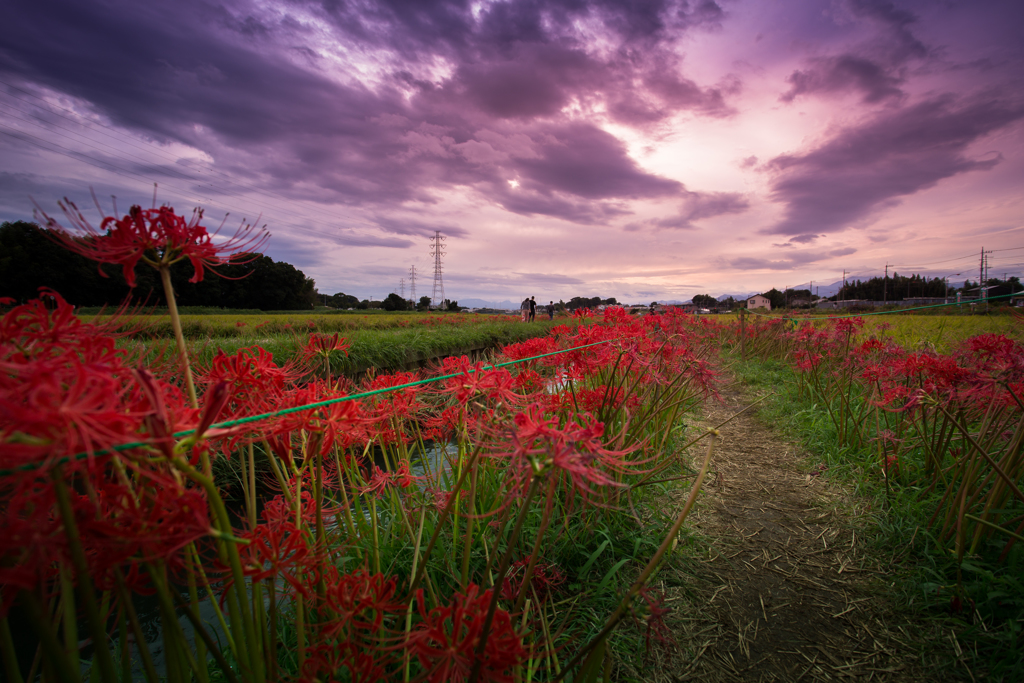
(758, 301)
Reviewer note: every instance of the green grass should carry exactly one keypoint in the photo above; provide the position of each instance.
(389, 348)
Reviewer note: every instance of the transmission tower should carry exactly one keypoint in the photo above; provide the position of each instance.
(412, 284)
(401, 287)
(437, 251)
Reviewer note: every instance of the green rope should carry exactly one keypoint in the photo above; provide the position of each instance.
(28, 467)
(900, 310)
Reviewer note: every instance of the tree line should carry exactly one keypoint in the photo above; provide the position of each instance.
(393, 302)
(31, 258)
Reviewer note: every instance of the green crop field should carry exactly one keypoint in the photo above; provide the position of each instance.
(382, 341)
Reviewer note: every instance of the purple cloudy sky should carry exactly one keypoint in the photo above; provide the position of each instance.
(653, 149)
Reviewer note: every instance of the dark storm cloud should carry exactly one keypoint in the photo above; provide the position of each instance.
(251, 86)
(844, 73)
(585, 161)
(869, 167)
(876, 69)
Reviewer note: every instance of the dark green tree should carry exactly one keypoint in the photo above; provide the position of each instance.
(424, 304)
(394, 302)
(343, 301)
(705, 301)
(29, 259)
(777, 298)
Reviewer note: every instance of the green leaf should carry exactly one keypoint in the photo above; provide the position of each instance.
(611, 573)
(593, 558)
(590, 672)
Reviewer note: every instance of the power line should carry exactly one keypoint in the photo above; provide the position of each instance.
(936, 263)
(437, 251)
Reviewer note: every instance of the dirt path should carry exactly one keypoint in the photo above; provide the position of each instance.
(786, 593)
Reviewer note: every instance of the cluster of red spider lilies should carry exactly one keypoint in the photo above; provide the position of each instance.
(949, 425)
(413, 527)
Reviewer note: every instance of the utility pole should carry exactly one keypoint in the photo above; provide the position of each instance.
(981, 276)
(985, 284)
(437, 251)
(885, 284)
(843, 288)
(412, 284)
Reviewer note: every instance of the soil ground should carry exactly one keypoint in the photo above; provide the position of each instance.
(788, 591)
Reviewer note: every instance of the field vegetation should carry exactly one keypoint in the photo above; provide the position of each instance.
(479, 526)
(384, 341)
(295, 519)
(925, 416)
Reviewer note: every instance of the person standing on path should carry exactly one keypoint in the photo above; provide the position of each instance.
(533, 308)
(551, 310)
(524, 309)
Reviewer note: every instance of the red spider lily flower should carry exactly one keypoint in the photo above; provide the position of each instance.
(253, 376)
(404, 477)
(32, 540)
(540, 446)
(443, 426)
(378, 482)
(402, 403)
(545, 580)
(322, 346)
(476, 381)
(64, 386)
(361, 601)
(441, 498)
(530, 348)
(655, 619)
(277, 549)
(157, 237)
(151, 521)
(446, 640)
(360, 665)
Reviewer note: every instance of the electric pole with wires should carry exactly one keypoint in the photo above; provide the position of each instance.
(437, 251)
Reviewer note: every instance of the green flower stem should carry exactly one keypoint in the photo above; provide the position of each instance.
(468, 541)
(67, 601)
(412, 573)
(172, 308)
(376, 538)
(11, 669)
(236, 604)
(140, 639)
(193, 595)
(502, 568)
(197, 565)
(54, 658)
(535, 554)
(171, 626)
(272, 630)
(440, 522)
(207, 639)
(649, 569)
(86, 590)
